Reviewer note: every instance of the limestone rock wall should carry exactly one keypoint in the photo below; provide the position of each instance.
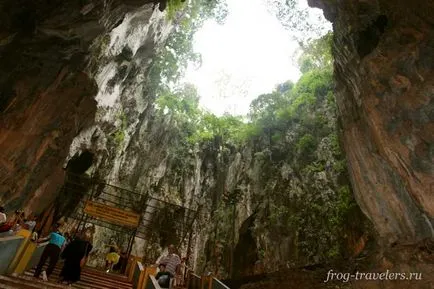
(47, 95)
(383, 52)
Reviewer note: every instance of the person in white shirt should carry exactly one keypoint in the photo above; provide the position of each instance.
(2, 216)
(31, 222)
(172, 262)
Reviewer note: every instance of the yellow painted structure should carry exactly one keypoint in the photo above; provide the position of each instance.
(112, 214)
(149, 271)
(22, 250)
(131, 266)
(25, 258)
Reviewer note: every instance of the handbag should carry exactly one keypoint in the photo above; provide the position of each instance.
(83, 260)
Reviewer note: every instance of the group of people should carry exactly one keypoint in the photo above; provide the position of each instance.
(74, 253)
(18, 221)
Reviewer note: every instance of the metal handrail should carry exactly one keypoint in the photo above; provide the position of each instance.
(204, 282)
(152, 284)
(217, 284)
(194, 282)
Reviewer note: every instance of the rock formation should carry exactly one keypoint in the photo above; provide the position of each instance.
(74, 80)
(383, 54)
(47, 96)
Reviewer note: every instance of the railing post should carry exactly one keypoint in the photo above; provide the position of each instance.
(150, 270)
(131, 267)
(138, 275)
(188, 279)
(210, 282)
(204, 280)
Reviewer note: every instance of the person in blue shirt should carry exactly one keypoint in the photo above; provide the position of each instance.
(51, 251)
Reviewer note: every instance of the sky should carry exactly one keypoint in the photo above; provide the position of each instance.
(247, 56)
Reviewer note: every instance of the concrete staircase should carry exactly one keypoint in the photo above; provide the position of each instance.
(90, 279)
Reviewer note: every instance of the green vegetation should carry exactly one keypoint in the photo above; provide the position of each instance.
(174, 6)
(172, 60)
(291, 135)
(119, 134)
(296, 125)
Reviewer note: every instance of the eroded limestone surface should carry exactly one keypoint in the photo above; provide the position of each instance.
(384, 57)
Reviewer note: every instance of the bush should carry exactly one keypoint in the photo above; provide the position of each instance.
(306, 144)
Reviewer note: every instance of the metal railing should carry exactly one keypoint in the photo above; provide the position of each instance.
(217, 284)
(152, 283)
(194, 281)
(144, 278)
(204, 282)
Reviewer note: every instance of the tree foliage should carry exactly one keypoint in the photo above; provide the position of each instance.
(317, 54)
(296, 19)
(171, 62)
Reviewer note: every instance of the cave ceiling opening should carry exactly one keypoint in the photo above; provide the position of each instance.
(250, 49)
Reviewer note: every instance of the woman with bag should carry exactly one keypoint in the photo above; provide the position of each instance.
(75, 256)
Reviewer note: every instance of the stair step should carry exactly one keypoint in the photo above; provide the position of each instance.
(4, 286)
(119, 281)
(79, 285)
(94, 272)
(86, 282)
(27, 284)
(90, 279)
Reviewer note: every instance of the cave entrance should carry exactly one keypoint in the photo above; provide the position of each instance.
(79, 164)
(76, 184)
